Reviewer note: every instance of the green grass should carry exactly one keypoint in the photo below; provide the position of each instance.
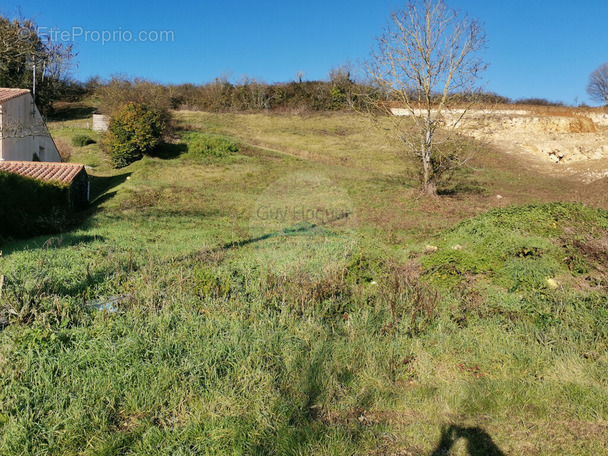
(240, 333)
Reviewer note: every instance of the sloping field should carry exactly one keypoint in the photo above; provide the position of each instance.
(297, 296)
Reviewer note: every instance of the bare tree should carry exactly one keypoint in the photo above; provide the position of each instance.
(426, 63)
(597, 87)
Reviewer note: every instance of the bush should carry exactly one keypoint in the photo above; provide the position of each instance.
(30, 207)
(120, 91)
(205, 145)
(538, 102)
(82, 140)
(134, 131)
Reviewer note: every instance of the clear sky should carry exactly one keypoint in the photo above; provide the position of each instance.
(536, 48)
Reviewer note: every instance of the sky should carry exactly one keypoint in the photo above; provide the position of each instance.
(536, 48)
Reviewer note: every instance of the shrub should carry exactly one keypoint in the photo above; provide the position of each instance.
(31, 207)
(82, 140)
(135, 130)
(538, 102)
(120, 91)
(205, 145)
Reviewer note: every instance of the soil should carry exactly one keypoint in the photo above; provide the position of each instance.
(574, 143)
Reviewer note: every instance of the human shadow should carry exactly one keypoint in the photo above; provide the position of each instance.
(478, 441)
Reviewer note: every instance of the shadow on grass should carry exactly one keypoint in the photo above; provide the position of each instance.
(169, 151)
(101, 185)
(50, 241)
(100, 193)
(296, 230)
(478, 441)
(71, 112)
(468, 188)
(304, 429)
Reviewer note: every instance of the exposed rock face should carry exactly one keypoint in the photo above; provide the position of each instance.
(528, 124)
(559, 138)
(599, 118)
(553, 139)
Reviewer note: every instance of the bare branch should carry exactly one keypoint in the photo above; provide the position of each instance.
(597, 87)
(426, 58)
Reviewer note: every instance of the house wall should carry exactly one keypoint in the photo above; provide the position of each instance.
(24, 132)
(79, 191)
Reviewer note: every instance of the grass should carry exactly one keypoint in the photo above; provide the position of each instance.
(238, 332)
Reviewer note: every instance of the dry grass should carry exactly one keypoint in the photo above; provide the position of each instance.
(65, 149)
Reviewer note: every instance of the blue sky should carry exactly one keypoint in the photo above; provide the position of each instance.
(536, 48)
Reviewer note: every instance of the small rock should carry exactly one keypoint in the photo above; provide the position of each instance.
(498, 196)
(430, 248)
(552, 283)
(457, 247)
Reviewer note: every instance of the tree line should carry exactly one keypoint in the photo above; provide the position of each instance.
(28, 59)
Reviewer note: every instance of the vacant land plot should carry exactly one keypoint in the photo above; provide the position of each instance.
(291, 293)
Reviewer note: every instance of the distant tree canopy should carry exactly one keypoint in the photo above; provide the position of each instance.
(340, 91)
(597, 87)
(24, 52)
(248, 94)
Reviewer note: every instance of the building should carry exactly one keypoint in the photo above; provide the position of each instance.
(73, 175)
(23, 132)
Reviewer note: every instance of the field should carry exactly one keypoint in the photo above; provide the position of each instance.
(288, 291)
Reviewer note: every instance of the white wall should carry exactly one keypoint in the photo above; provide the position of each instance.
(24, 132)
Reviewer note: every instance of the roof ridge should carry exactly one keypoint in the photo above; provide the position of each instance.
(7, 93)
(48, 171)
(43, 163)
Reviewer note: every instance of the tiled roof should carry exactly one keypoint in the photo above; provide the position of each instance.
(9, 94)
(62, 172)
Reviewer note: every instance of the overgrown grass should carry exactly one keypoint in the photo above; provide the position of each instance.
(228, 333)
(204, 145)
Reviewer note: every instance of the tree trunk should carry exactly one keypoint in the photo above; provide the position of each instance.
(430, 188)
(429, 185)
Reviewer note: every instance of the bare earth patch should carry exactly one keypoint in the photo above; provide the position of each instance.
(574, 144)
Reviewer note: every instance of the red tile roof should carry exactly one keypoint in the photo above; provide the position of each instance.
(62, 172)
(9, 94)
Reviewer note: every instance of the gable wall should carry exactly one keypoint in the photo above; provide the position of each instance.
(24, 132)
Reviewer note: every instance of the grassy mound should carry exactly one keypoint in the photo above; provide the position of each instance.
(204, 146)
(525, 247)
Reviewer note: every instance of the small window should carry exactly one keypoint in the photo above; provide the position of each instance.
(41, 153)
